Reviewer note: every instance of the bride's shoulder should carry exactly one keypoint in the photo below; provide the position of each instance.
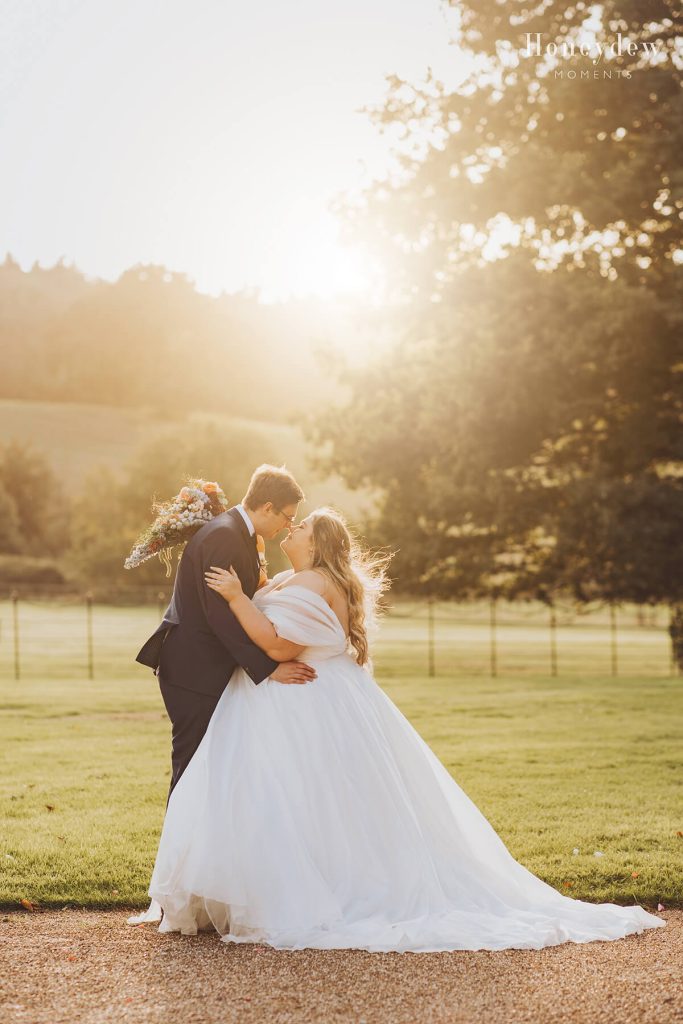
(310, 579)
(276, 583)
(281, 577)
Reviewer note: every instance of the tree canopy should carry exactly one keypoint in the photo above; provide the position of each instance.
(525, 430)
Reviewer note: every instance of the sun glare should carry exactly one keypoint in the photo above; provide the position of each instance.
(306, 258)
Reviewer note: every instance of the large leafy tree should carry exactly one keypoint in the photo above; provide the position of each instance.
(525, 431)
(587, 168)
(33, 505)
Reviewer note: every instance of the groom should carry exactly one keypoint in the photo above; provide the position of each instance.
(200, 642)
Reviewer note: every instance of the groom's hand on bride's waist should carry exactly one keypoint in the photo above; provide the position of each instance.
(293, 672)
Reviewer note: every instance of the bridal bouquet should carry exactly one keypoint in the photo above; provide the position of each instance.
(177, 520)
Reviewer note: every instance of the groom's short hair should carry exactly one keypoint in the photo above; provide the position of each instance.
(275, 484)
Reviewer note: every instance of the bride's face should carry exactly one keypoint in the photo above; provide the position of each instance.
(298, 544)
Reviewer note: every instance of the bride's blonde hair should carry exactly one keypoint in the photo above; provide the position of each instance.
(359, 574)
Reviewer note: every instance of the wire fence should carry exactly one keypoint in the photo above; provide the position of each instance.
(66, 635)
(507, 638)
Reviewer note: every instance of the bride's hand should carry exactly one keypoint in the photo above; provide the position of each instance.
(225, 582)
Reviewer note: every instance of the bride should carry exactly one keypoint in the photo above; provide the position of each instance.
(316, 816)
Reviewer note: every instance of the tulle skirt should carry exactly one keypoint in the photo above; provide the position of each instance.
(316, 816)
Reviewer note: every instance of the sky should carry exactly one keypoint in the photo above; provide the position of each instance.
(206, 135)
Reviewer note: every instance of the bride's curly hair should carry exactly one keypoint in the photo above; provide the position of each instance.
(358, 572)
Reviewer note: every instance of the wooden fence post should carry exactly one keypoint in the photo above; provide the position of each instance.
(89, 635)
(553, 642)
(15, 628)
(494, 652)
(431, 667)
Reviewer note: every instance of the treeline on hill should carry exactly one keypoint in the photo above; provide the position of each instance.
(150, 339)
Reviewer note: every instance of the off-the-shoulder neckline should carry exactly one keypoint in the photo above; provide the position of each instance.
(299, 586)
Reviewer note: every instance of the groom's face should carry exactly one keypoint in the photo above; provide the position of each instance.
(275, 520)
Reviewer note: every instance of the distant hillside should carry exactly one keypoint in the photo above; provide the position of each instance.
(150, 339)
(78, 438)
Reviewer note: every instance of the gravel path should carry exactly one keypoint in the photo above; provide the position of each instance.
(87, 967)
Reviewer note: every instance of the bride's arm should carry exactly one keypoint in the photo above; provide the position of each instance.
(258, 627)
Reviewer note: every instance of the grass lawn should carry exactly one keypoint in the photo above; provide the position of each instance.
(590, 762)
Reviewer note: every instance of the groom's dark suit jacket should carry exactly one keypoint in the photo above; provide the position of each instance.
(200, 642)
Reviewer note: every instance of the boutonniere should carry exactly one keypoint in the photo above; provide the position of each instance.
(263, 564)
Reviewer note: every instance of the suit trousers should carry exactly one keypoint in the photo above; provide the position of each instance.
(190, 713)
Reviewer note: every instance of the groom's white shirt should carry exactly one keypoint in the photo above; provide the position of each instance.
(250, 526)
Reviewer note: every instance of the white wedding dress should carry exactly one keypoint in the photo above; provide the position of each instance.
(315, 816)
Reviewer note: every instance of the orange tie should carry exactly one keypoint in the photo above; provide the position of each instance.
(263, 573)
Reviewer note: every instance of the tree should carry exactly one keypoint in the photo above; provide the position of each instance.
(10, 534)
(40, 506)
(526, 428)
(587, 169)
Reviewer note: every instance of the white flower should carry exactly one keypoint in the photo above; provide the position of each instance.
(575, 851)
(598, 853)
